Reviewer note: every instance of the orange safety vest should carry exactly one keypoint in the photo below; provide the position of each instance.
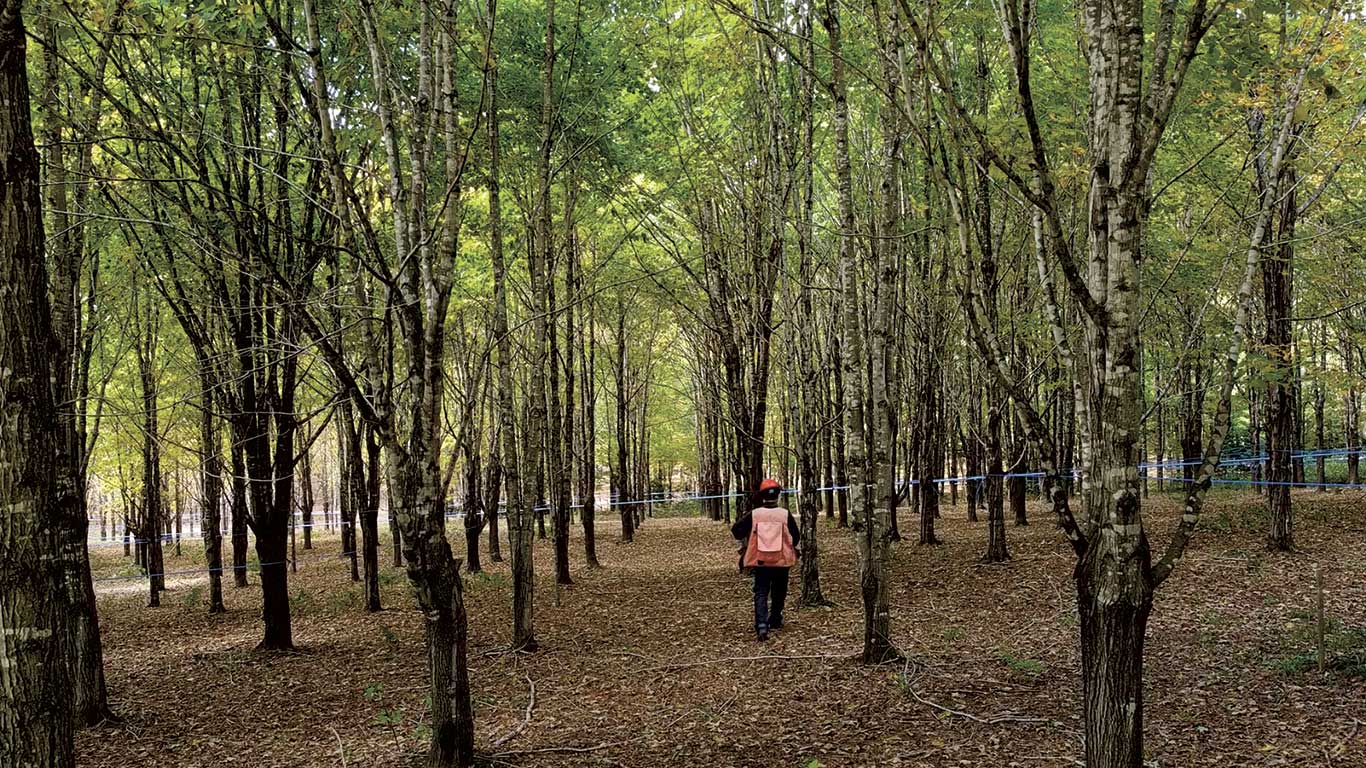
(770, 543)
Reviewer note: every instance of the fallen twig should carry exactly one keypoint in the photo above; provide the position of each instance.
(547, 750)
(728, 659)
(1356, 724)
(632, 654)
(526, 716)
(341, 750)
(994, 720)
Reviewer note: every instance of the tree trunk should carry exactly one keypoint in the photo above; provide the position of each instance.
(435, 576)
(239, 517)
(35, 710)
(1351, 409)
(368, 498)
(474, 506)
(211, 481)
(588, 460)
(872, 582)
(811, 391)
(352, 487)
(621, 486)
(273, 556)
(306, 500)
(507, 431)
(840, 448)
(395, 538)
(152, 503)
(1114, 621)
(1320, 403)
(1278, 303)
(929, 456)
(562, 412)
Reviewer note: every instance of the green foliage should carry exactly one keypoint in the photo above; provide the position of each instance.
(476, 582)
(302, 602)
(343, 600)
(1344, 645)
(1021, 665)
(391, 641)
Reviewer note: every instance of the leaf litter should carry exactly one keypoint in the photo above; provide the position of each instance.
(651, 660)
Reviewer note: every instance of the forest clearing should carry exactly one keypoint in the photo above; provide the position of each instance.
(441, 383)
(648, 662)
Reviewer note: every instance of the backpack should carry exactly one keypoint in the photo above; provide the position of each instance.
(770, 543)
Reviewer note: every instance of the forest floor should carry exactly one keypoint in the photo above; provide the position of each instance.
(651, 660)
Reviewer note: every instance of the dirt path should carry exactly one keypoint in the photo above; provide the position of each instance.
(651, 661)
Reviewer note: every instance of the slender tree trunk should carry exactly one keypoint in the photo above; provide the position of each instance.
(436, 580)
(876, 618)
(1161, 444)
(352, 487)
(1351, 408)
(1320, 403)
(811, 390)
(838, 403)
(534, 433)
(368, 498)
(152, 503)
(474, 506)
(588, 431)
(561, 435)
(306, 502)
(621, 486)
(211, 483)
(1016, 483)
(1278, 303)
(508, 458)
(239, 516)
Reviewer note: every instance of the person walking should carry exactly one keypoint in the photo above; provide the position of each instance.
(768, 537)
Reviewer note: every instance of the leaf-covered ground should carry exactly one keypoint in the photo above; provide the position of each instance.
(650, 661)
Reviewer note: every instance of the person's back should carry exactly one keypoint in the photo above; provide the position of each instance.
(769, 536)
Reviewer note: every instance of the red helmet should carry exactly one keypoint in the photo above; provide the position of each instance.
(769, 484)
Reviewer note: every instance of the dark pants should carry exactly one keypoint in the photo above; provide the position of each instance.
(769, 582)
